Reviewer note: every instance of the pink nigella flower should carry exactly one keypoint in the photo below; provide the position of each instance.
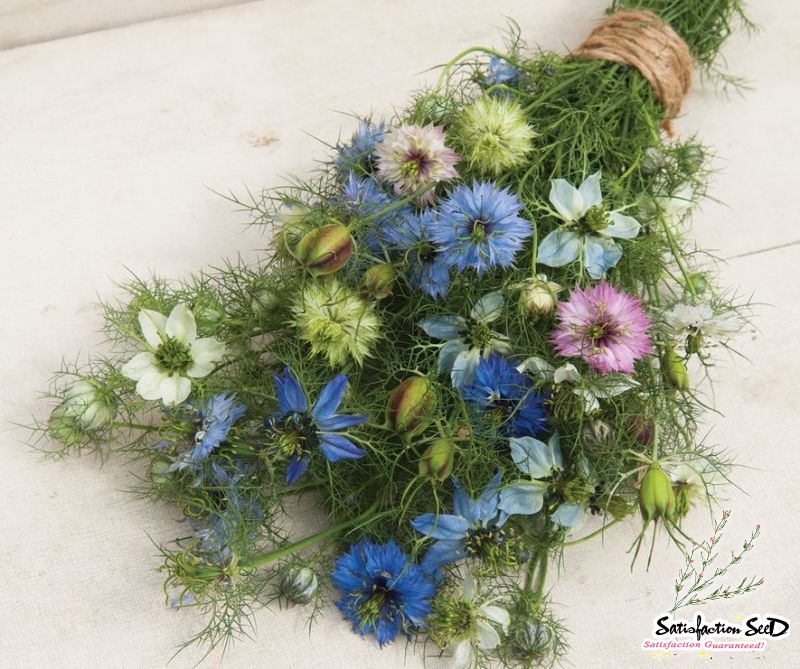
(412, 157)
(604, 326)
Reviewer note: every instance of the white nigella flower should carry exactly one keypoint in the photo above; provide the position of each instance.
(175, 355)
(485, 618)
(701, 326)
(590, 388)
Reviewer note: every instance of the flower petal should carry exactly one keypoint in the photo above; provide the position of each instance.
(139, 365)
(448, 353)
(600, 254)
(181, 324)
(149, 385)
(330, 397)
(488, 638)
(336, 447)
(464, 365)
(488, 308)
(153, 325)
(624, 227)
(175, 389)
(339, 422)
(559, 248)
(297, 467)
(567, 200)
(567, 515)
(497, 614)
(291, 398)
(443, 326)
(443, 526)
(590, 192)
(524, 498)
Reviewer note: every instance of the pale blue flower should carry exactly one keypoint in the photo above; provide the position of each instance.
(467, 340)
(589, 229)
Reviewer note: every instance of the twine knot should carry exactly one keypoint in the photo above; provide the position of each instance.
(643, 40)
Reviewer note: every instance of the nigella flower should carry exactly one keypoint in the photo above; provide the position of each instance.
(358, 152)
(466, 341)
(299, 431)
(213, 419)
(465, 624)
(174, 356)
(413, 158)
(501, 72)
(542, 463)
(699, 326)
(363, 197)
(383, 592)
(480, 227)
(336, 321)
(474, 529)
(505, 398)
(493, 135)
(427, 270)
(604, 326)
(588, 229)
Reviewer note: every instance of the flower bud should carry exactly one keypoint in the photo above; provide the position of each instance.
(598, 435)
(378, 281)
(437, 460)
(410, 406)
(652, 161)
(538, 296)
(675, 373)
(263, 301)
(208, 311)
(64, 427)
(91, 404)
(642, 429)
(298, 585)
(656, 497)
(532, 640)
(325, 250)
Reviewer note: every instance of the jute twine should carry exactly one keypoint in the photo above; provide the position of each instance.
(643, 40)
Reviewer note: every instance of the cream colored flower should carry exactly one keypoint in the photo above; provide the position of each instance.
(175, 355)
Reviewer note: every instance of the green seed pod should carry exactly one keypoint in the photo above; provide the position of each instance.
(378, 281)
(325, 250)
(675, 373)
(410, 406)
(532, 640)
(656, 497)
(298, 585)
(437, 460)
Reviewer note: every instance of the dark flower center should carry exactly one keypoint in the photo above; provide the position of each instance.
(480, 230)
(297, 436)
(480, 540)
(415, 164)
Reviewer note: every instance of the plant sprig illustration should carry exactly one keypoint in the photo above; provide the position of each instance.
(692, 577)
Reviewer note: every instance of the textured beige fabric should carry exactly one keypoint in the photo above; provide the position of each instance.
(111, 145)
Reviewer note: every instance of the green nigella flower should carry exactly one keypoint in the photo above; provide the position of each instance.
(336, 321)
(493, 136)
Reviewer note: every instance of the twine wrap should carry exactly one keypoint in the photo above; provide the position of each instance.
(643, 40)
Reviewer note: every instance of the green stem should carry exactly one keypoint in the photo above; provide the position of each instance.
(291, 549)
(575, 542)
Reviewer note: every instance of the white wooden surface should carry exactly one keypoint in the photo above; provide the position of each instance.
(110, 144)
(30, 21)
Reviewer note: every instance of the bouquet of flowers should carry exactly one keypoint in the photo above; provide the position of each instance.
(477, 338)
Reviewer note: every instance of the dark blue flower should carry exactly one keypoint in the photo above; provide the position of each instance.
(505, 398)
(300, 431)
(480, 227)
(427, 270)
(383, 592)
(213, 419)
(469, 531)
(365, 198)
(358, 152)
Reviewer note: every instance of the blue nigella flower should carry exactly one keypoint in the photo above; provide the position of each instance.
(506, 398)
(359, 150)
(501, 72)
(466, 341)
(468, 531)
(588, 231)
(364, 197)
(383, 592)
(427, 270)
(480, 227)
(213, 418)
(299, 431)
(542, 463)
